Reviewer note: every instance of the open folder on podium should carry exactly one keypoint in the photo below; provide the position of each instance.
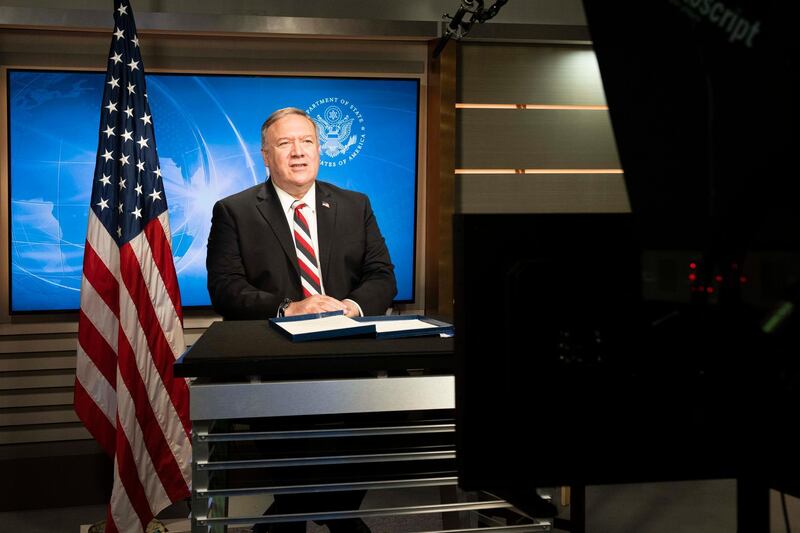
(334, 324)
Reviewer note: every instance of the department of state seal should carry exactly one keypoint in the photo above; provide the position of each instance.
(342, 130)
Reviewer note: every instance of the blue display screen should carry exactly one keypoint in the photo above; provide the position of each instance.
(208, 138)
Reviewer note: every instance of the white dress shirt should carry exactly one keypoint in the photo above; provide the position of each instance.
(310, 199)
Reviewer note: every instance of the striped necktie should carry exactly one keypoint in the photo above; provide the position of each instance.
(310, 277)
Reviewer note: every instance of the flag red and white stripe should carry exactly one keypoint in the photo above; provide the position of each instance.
(130, 333)
(130, 325)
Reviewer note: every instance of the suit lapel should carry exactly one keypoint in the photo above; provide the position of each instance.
(270, 208)
(326, 226)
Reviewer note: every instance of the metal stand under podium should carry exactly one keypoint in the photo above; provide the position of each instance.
(274, 417)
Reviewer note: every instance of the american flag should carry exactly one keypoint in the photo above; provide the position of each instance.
(131, 325)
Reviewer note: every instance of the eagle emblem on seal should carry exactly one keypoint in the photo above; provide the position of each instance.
(335, 131)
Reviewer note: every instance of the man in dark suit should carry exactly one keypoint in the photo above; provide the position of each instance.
(293, 245)
(253, 266)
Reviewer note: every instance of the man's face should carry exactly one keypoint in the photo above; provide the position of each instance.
(292, 154)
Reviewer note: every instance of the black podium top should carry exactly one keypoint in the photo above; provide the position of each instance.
(252, 348)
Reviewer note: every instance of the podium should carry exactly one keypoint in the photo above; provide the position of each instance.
(274, 417)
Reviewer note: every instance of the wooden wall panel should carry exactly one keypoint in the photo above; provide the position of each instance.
(77, 49)
(526, 74)
(29, 380)
(534, 139)
(440, 185)
(36, 397)
(542, 193)
(511, 138)
(23, 416)
(43, 433)
(16, 362)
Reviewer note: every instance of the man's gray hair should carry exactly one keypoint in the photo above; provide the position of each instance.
(279, 114)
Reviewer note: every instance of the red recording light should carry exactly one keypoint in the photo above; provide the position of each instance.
(718, 278)
(692, 265)
(742, 279)
(692, 276)
(709, 290)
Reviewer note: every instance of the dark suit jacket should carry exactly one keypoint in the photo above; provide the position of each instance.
(252, 263)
